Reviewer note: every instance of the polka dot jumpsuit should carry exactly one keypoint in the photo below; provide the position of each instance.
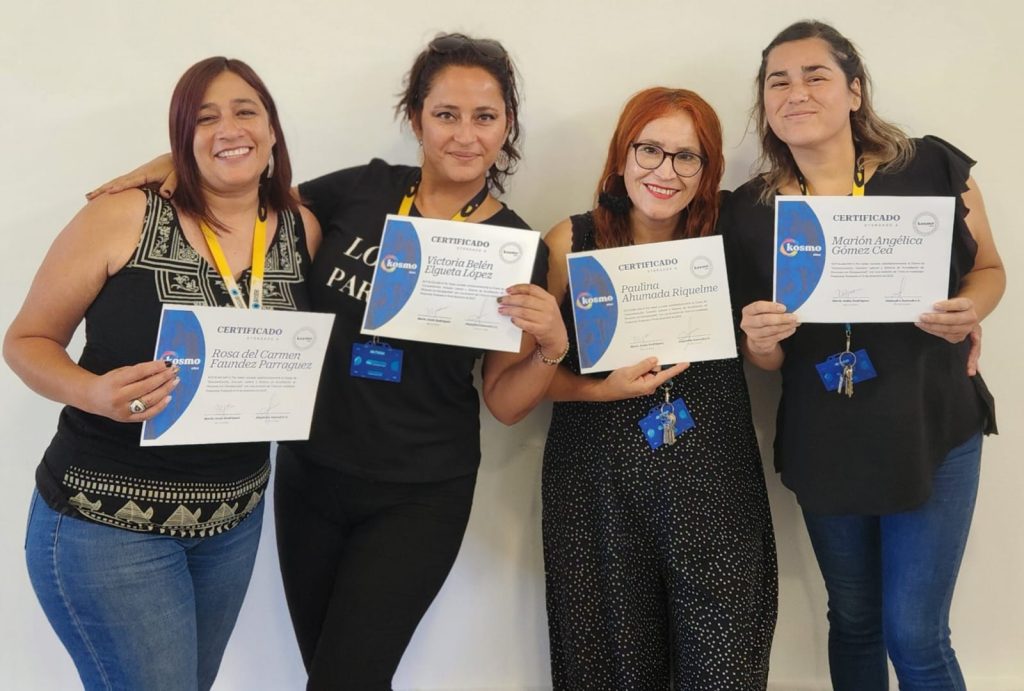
(660, 564)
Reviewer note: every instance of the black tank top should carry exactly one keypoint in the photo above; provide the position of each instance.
(94, 467)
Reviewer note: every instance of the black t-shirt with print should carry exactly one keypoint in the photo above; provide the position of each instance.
(426, 427)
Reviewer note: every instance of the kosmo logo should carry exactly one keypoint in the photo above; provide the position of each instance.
(790, 248)
(585, 300)
(391, 264)
(172, 357)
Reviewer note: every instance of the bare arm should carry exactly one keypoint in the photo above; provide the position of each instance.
(158, 171)
(514, 383)
(980, 290)
(93, 246)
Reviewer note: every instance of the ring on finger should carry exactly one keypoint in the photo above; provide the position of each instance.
(136, 406)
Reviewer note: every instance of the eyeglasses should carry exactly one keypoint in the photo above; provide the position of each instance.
(686, 164)
(449, 43)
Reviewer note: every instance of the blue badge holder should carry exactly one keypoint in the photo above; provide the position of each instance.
(377, 361)
(832, 368)
(652, 425)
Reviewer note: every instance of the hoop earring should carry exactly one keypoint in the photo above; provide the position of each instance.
(618, 204)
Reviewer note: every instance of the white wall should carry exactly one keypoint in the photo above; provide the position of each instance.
(85, 88)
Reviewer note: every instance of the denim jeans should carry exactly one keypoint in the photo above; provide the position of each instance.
(139, 610)
(890, 583)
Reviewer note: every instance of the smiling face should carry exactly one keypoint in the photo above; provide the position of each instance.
(462, 126)
(233, 138)
(807, 99)
(660, 195)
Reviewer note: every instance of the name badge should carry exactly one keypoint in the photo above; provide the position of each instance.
(666, 422)
(376, 361)
(831, 370)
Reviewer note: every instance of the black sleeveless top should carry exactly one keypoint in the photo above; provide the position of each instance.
(874, 453)
(94, 467)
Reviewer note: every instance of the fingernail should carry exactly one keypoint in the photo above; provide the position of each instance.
(500, 298)
(177, 380)
(167, 363)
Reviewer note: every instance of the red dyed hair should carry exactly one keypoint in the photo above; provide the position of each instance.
(275, 192)
(700, 216)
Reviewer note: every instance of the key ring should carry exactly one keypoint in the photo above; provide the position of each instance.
(849, 362)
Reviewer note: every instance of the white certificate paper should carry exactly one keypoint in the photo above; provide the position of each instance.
(862, 259)
(666, 299)
(246, 375)
(438, 281)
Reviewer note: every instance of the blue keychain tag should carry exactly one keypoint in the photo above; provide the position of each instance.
(831, 370)
(376, 361)
(656, 425)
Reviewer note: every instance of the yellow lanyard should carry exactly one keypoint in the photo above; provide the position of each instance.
(259, 251)
(465, 212)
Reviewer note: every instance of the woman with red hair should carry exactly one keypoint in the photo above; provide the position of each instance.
(660, 563)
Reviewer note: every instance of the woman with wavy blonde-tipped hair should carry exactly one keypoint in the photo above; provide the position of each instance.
(887, 478)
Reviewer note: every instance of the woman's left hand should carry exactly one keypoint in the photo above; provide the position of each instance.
(953, 319)
(535, 311)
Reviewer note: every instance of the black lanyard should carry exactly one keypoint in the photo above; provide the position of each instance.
(461, 215)
(858, 176)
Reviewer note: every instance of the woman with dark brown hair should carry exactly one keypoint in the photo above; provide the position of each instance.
(660, 562)
(141, 557)
(371, 511)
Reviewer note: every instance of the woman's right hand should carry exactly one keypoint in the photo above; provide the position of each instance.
(111, 394)
(641, 379)
(765, 325)
(159, 171)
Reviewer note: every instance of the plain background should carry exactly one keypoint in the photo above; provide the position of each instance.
(85, 88)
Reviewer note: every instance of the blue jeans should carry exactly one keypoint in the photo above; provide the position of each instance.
(890, 583)
(139, 610)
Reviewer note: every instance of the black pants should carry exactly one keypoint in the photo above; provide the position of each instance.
(361, 562)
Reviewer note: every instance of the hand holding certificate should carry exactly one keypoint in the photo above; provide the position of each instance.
(438, 281)
(862, 259)
(246, 375)
(669, 300)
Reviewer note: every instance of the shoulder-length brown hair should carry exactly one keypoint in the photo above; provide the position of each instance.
(275, 191)
(879, 141)
(701, 214)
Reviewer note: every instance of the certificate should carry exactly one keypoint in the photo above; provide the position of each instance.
(862, 259)
(666, 299)
(246, 375)
(438, 281)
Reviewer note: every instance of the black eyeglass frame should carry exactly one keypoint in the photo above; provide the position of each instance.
(665, 154)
